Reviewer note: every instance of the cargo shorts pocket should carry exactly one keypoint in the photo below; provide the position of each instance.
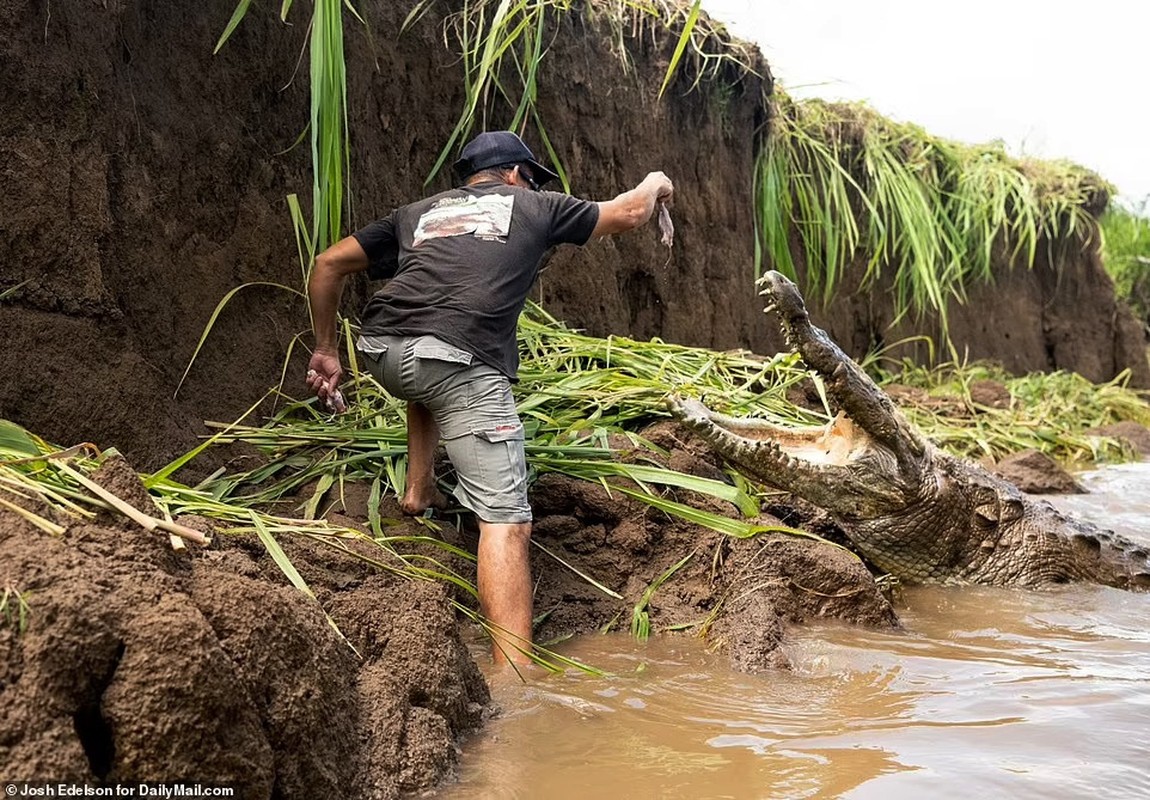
(374, 347)
(502, 459)
(431, 348)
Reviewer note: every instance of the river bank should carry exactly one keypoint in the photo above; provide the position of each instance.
(119, 625)
(348, 674)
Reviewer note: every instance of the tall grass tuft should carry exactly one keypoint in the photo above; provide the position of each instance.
(853, 186)
(501, 44)
(331, 166)
(1126, 254)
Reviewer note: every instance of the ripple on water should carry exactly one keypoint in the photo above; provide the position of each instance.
(1118, 498)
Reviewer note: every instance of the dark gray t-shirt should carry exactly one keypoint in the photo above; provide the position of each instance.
(460, 264)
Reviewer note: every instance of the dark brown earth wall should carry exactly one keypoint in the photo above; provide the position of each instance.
(142, 179)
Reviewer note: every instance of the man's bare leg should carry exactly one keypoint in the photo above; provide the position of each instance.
(505, 588)
(422, 439)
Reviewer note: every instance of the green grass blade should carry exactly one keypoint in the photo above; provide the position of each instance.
(279, 556)
(4, 295)
(215, 315)
(640, 619)
(237, 17)
(577, 571)
(16, 440)
(681, 45)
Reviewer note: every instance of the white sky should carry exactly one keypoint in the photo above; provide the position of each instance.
(1050, 79)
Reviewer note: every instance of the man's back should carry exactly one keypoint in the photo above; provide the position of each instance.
(462, 262)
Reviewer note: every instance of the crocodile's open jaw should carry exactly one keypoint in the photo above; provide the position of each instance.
(912, 509)
(837, 443)
(858, 464)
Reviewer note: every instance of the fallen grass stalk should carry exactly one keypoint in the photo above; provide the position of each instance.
(1049, 412)
(40, 522)
(15, 610)
(640, 619)
(146, 521)
(609, 592)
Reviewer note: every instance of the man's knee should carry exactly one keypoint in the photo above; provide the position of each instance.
(516, 534)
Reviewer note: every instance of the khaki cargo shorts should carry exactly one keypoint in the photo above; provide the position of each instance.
(472, 404)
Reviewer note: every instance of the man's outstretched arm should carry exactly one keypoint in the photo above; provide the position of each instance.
(635, 206)
(324, 290)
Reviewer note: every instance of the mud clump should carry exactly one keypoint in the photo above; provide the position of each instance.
(1137, 436)
(1037, 473)
(140, 663)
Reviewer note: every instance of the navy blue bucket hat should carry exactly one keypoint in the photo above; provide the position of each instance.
(495, 148)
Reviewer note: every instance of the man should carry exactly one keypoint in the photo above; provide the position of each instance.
(441, 335)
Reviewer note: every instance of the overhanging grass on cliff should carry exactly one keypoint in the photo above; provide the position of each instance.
(501, 44)
(847, 184)
(1126, 254)
(933, 214)
(327, 122)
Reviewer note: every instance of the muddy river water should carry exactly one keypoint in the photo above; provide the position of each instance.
(987, 693)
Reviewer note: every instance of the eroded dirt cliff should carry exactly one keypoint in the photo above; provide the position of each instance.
(145, 179)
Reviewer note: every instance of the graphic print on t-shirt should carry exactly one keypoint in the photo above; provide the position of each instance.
(486, 217)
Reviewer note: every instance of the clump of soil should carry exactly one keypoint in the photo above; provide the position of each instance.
(1037, 473)
(990, 393)
(1138, 436)
(141, 663)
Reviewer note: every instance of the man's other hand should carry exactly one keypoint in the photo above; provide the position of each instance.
(324, 372)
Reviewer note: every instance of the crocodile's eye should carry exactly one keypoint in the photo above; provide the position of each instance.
(997, 509)
(985, 506)
(986, 513)
(1011, 509)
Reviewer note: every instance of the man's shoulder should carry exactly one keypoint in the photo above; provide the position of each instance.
(431, 199)
(563, 198)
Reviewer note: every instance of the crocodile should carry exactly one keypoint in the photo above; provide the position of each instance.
(911, 509)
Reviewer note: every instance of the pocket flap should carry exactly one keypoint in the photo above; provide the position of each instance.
(504, 432)
(440, 351)
(371, 345)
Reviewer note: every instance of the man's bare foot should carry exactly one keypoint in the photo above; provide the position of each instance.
(416, 501)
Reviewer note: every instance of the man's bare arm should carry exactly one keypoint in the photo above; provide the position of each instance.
(325, 289)
(634, 207)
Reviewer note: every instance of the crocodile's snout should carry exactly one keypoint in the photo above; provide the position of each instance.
(783, 298)
(688, 411)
